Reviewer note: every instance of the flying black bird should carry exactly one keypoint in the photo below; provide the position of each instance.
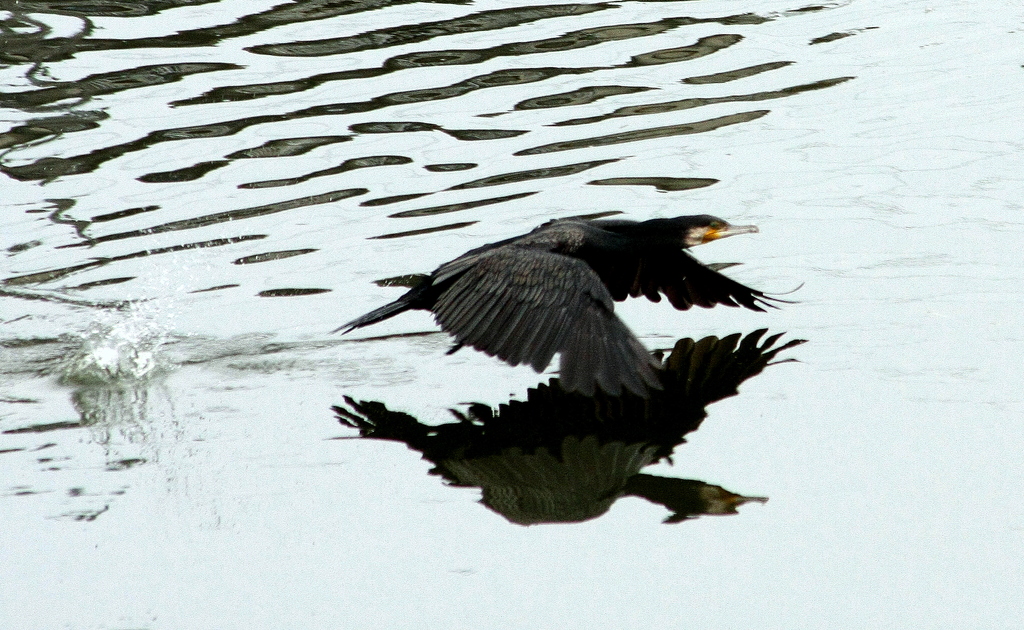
(552, 290)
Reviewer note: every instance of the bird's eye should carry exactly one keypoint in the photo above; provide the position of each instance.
(717, 225)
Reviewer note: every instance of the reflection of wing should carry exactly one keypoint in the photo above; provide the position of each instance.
(681, 277)
(523, 305)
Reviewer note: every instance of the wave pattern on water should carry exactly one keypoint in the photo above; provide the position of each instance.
(160, 143)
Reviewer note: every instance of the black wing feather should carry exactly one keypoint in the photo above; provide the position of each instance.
(683, 279)
(523, 305)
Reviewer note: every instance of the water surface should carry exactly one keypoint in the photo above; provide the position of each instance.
(195, 193)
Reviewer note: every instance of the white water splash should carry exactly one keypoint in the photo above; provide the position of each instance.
(119, 347)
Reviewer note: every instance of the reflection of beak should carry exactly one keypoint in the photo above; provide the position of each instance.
(729, 230)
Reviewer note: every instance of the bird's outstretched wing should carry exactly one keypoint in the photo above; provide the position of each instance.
(683, 279)
(524, 304)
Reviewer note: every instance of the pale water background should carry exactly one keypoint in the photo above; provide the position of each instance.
(190, 198)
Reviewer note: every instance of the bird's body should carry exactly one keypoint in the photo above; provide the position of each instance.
(553, 290)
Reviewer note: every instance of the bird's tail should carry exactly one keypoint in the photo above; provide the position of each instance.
(412, 299)
(374, 316)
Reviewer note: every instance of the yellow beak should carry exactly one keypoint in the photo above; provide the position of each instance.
(729, 230)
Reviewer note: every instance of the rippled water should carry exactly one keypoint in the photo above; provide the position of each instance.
(195, 193)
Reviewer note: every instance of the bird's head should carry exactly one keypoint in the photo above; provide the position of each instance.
(704, 228)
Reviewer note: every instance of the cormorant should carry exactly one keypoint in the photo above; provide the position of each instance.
(552, 290)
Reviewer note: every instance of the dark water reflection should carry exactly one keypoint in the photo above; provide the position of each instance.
(32, 44)
(564, 457)
(107, 83)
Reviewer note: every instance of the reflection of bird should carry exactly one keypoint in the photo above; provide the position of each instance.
(552, 290)
(552, 456)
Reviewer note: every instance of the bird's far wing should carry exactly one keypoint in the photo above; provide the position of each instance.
(682, 278)
(523, 305)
